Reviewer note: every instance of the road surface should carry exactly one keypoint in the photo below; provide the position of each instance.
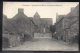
(44, 44)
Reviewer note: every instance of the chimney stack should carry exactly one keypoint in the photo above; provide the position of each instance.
(72, 9)
(20, 10)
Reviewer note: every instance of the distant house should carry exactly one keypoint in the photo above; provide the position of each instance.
(43, 24)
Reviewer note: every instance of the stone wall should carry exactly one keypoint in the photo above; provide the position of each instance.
(42, 35)
(13, 39)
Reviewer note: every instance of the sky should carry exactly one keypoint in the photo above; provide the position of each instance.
(45, 9)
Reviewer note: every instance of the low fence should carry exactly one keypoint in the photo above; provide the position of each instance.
(42, 35)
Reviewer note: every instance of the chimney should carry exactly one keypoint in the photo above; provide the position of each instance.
(72, 9)
(20, 10)
(57, 16)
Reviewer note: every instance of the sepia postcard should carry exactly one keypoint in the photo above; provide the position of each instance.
(40, 26)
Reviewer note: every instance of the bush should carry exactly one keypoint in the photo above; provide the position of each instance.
(5, 42)
(27, 37)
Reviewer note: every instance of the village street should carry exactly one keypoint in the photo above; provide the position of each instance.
(44, 44)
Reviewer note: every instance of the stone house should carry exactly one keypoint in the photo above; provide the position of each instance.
(60, 27)
(42, 24)
(21, 27)
(9, 39)
(73, 17)
(68, 26)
